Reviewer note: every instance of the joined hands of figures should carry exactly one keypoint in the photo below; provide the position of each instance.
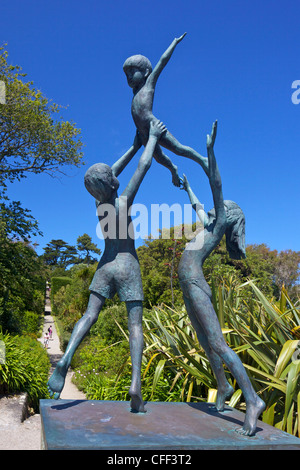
(184, 184)
(157, 128)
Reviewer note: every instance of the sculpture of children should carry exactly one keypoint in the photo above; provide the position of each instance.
(118, 270)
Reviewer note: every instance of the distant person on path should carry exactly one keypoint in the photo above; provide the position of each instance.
(50, 331)
(46, 340)
(118, 270)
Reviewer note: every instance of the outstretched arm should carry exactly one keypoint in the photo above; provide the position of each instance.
(152, 79)
(215, 177)
(215, 184)
(156, 130)
(196, 204)
(120, 164)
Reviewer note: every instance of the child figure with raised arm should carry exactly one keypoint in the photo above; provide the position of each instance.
(225, 218)
(142, 79)
(118, 270)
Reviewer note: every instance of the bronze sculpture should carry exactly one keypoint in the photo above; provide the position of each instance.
(142, 79)
(118, 269)
(226, 218)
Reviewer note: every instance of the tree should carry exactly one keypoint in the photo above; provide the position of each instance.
(159, 260)
(32, 138)
(17, 222)
(22, 282)
(287, 269)
(85, 245)
(58, 253)
(22, 274)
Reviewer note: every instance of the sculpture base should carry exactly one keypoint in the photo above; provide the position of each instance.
(110, 425)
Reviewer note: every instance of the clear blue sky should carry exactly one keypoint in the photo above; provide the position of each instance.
(236, 64)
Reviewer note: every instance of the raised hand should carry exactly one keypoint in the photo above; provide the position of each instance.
(157, 128)
(178, 40)
(184, 182)
(213, 171)
(210, 140)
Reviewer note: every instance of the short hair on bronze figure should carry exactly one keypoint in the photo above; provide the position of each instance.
(139, 61)
(99, 173)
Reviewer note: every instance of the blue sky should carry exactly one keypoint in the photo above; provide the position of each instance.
(236, 64)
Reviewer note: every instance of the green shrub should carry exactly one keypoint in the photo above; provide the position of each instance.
(70, 301)
(38, 302)
(57, 283)
(95, 355)
(103, 386)
(112, 320)
(25, 368)
(22, 315)
(30, 322)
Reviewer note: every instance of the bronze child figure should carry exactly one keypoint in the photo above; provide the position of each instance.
(118, 270)
(142, 79)
(226, 218)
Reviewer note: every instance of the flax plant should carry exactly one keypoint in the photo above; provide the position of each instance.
(264, 333)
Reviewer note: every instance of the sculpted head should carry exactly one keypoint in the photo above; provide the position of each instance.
(100, 181)
(235, 231)
(137, 68)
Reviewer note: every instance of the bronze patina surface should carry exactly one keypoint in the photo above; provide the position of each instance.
(109, 425)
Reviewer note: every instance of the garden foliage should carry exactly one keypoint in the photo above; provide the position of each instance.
(25, 368)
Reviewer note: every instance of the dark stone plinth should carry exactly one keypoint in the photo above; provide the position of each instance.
(91, 424)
